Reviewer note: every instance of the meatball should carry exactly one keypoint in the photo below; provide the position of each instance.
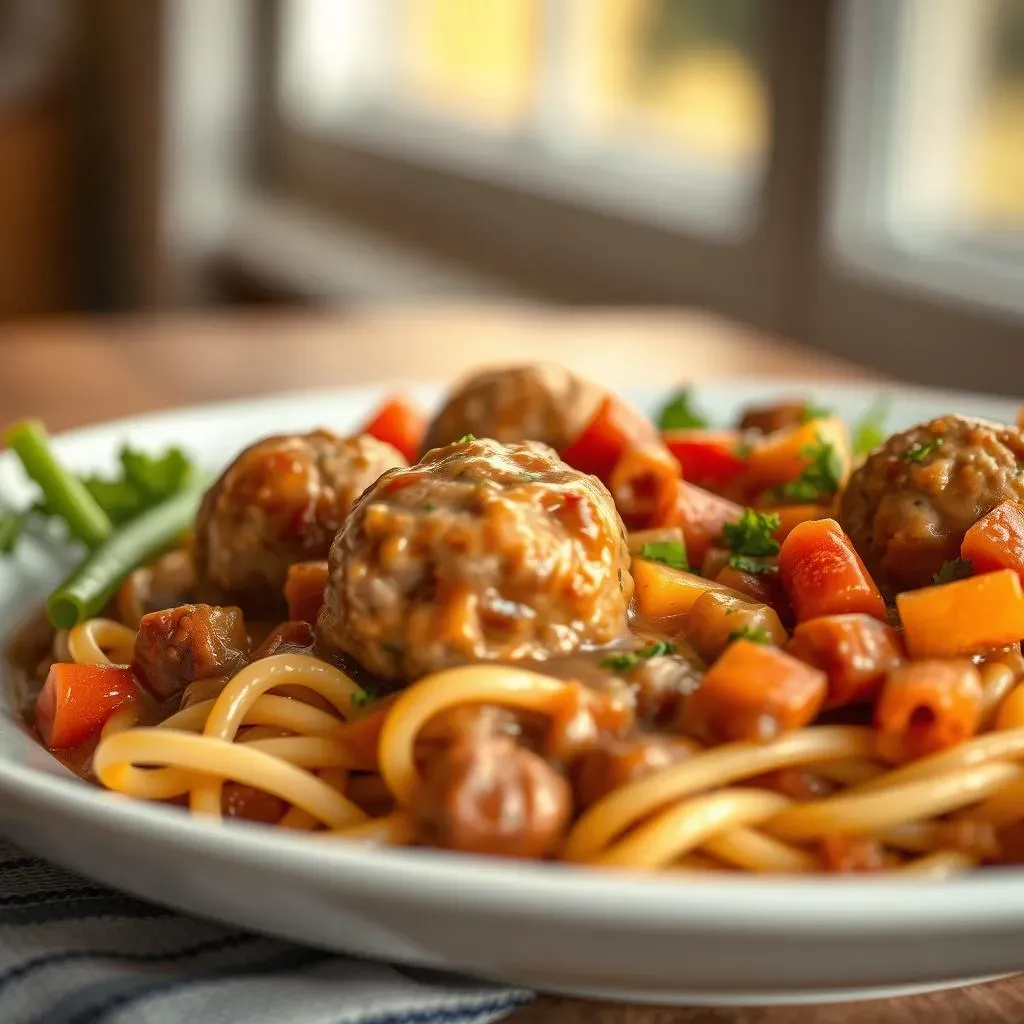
(178, 646)
(537, 402)
(482, 552)
(281, 501)
(491, 796)
(907, 508)
(619, 761)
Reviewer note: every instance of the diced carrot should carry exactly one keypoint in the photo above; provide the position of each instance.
(662, 592)
(615, 427)
(77, 700)
(781, 457)
(963, 617)
(639, 479)
(715, 560)
(700, 513)
(400, 423)
(854, 651)
(824, 575)
(996, 540)
(708, 457)
(717, 617)
(791, 516)
(753, 692)
(304, 590)
(927, 706)
(763, 587)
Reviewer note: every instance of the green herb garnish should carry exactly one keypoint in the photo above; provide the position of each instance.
(366, 695)
(630, 659)
(669, 552)
(750, 540)
(680, 414)
(755, 634)
(466, 438)
(921, 452)
(820, 478)
(869, 430)
(814, 412)
(956, 569)
(11, 525)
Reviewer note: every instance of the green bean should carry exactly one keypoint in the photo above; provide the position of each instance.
(87, 590)
(64, 492)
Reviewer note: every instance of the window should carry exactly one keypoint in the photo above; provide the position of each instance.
(930, 164)
(656, 109)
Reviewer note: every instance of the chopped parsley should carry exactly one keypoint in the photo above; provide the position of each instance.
(820, 478)
(814, 412)
(524, 475)
(956, 569)
(367, 695)
(466, 438)
(921, 452)
(428, 507)
(750, 540)
(755, 634)
(680, 414)
(627, 660)
(669, 552)
(869, 430)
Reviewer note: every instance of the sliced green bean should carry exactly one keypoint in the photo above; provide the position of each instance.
(88, 589)
(64, 492)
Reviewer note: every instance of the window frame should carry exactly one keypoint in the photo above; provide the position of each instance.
(574, 248)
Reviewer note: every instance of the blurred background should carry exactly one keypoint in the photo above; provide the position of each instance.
(847, 173)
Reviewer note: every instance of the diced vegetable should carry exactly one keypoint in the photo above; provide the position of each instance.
(614, 428)
(662, 592)
(927, 706)
(763, 587)
(711, 458)
(996, 540)
(85, 592)
(824, 575)
(791, 516)
(715, 560)
(963, 617)
(854, 651)
(753, 692)
(780, 459)
(679, 413)
(717, 616)
(304, 590)
(63, 491)
(700, 513)
(77, 700)
(639, 479)
(401, 423)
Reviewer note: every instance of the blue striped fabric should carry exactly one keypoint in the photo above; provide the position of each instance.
(72, 952)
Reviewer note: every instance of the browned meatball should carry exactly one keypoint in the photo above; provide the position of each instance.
(482, 552)
(281, 501)
(491, 796)
(178, 646)
(908, 506)
(536, 402)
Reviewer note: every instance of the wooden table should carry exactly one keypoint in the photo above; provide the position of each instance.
(82, 371)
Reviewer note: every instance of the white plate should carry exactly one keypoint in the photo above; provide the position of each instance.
(545, 926)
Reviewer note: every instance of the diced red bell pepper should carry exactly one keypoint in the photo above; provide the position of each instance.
(708, 457)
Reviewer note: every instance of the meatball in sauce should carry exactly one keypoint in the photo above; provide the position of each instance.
(281, 501)
(482, 552)
(907, 508)
(539, 402)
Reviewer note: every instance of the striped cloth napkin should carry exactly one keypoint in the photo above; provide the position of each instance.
(76, 953)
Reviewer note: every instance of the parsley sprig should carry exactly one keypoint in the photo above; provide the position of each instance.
(679, 413)
(921, 452)
(755, 634)
(750, 540)
(820, 478)
(627, 660)
(669, 552)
